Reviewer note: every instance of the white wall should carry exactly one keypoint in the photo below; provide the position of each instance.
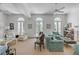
(63, 18)
(2, 24)
(47, 19)
(12, 18)
(73, 17)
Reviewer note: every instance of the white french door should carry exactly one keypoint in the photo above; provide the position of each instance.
(58, 26)
(20, 28)
(39, 25)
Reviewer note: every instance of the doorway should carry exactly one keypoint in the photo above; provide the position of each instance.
(58, 25)
(39, 25)
(20, 23)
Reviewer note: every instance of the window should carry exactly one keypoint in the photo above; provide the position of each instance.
(39, 25)
(20, 26)
(58, 25)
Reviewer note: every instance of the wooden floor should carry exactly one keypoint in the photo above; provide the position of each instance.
(26, 47)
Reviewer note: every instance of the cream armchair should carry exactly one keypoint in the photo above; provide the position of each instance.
(22, 37)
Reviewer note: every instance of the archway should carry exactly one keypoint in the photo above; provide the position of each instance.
(20, 23)
(58, 25)
(39, 25)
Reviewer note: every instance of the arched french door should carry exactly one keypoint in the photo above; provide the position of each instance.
(39, 25)
(58, 25)
(20, 23)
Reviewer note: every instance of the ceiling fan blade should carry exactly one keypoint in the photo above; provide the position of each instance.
(61, 8)
(61, 11)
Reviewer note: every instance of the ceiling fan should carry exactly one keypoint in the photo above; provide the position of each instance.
(58, 10)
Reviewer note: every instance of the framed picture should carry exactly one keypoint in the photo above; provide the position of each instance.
(29, 26)
(48, 26)
(11, 26)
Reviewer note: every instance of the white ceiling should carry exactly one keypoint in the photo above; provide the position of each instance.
(36, 8)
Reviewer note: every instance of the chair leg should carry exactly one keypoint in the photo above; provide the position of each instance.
(43, 46)
(35, 46)
(40, 47)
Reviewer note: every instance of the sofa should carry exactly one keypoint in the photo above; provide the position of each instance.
(55, 43)
(76, 49)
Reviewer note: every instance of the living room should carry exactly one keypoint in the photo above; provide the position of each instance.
(21, 24)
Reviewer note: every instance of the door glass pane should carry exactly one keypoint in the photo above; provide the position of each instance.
(55, 26)
(22, 29)
(59, 27)
(37, 28)
(18, 27)
(41, 26)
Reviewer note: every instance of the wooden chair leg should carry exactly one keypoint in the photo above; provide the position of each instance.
(40, 47)
(35, 46)
(43, 46)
